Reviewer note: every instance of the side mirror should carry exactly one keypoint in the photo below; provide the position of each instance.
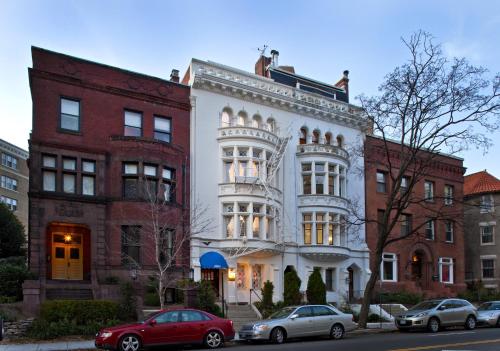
(293, 316)
(153, 322)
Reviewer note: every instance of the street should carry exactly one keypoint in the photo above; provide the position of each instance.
(483, 339)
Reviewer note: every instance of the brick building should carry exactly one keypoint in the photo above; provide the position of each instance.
(14, 180)
(481, 193)
(431, 261)
(101, 136)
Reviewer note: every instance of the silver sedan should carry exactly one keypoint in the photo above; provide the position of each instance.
(299, 321)
(488, 313)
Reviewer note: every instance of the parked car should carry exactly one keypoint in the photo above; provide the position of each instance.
(299, 321)
(435, 314)
(176, 326)
(488, 313)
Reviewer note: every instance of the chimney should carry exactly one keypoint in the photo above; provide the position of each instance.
(174, 76)
(343, 83)
(274, 58)
(261, 65)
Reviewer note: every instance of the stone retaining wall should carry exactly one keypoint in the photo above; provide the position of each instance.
(16, 329)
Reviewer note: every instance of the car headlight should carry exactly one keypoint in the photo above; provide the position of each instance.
(423, 314)
(260, 327)
(106, 334)
(492, 314)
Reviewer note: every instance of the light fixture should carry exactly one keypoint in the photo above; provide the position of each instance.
(67, 238)
(415, 258)
(231, 275)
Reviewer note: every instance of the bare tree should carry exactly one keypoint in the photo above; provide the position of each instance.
(427, 106)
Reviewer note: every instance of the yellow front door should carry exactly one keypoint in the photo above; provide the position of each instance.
(67, 256)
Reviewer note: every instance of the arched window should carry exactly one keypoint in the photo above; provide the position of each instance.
(242, 119)
(328, 138)
(315, 137)
(226, 116)
(271, 125)
(303, 136)
(340, 141)
(256, 121)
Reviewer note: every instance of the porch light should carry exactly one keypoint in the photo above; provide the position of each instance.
(231, 275)
(67, 238)
(415, 258)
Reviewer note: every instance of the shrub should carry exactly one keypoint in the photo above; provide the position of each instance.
(151, 299)
(206, 298)
(291, 294)
(112, 280)
(128, 303)
(316, 289)
(267, 295)
(11, 280)
(404, 298)
(12, 236)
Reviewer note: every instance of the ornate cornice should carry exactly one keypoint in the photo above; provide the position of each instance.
(324, 150)
(225, 80)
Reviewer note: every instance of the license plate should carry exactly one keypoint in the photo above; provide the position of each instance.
(402, 322)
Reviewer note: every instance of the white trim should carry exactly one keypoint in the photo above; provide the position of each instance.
(446, 261)
(492, 235)
(394, 261)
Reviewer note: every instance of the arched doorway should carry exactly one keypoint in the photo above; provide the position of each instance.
(419, 268)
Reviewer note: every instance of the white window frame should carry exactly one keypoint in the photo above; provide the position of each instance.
(492, 258)
(487, 206)
(429, 191)
(433, 227)
(485, 225)
(446, 261)
(448, 194)
(452, 231)
(392, 257)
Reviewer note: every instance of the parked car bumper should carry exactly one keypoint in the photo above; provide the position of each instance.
(253, 335)
(487, 320)
(412, 322)
(104, 343)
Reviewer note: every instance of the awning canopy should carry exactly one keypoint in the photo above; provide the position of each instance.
(213, 260)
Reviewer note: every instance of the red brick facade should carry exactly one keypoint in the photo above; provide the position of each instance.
(103, 94)
(416, 259)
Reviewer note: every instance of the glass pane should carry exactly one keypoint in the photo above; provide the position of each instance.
(130, 168)
(59, 252)
(49, 161)
(319, 167)
(88, 185)
(167, 173)
(132, 131)
(130, 187)
(88, 166)
(150, 170)
(162, 136)
(162, 124)
(133, 119)
(70, 107)
(69, 163)
(69, 183)
(306, 167)
(69, 122)
(49, 181)
(74, 253)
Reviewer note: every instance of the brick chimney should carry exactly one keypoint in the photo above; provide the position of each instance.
(261, 64)
(174, 76)
(343, 83)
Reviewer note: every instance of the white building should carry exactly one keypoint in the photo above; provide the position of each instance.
(264, 225)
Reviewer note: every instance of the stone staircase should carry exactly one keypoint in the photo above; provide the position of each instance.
(240, 315)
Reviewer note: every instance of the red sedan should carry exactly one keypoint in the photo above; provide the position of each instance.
(180, 326)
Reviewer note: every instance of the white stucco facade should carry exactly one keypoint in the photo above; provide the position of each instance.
(237, 121)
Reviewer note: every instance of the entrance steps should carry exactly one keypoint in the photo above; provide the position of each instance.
(240, 315)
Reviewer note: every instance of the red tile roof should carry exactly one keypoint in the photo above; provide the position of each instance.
(480, 183)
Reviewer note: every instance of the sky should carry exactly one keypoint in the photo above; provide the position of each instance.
(319, 38)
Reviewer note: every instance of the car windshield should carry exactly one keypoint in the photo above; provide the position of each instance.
(284, 312)
(489, 306)
(426, 305)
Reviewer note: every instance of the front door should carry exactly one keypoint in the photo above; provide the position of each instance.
(212, 276)
(67, 256)
(351, 284)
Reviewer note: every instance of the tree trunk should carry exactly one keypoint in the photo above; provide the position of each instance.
(161, 291)
(370, 286)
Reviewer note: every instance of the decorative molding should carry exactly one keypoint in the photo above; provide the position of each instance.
(250, 189)
(69, 210)
(243, 85)
(322, 149)
(249, 133)
(323, 201)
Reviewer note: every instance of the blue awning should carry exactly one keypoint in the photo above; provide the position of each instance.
(213, 260)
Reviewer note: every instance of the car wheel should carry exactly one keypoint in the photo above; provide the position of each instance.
(433, 325)
(213, 340)
(470, 323)
(278, 336)
(130, 343)
(337, 332)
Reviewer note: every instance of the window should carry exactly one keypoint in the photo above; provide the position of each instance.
(193, 316)
(166, 245)
(131, 245)
(130, 180)
(307, 223)
(88, 177)
(49, 161)
(303, 136)
(8, 183)
(49, 176)
(70, 115)
(269, 224)
(487, 237)
(150, 182)
(487, 204)
(328, 139)
(304, 312)
(69, 164)
(330, 231)
(320, 177)
(243, 220)
(9, 161)
(228, 171)
(488, 268)
(226, 118)
(10, 203)
(342, 181)
(320, 217)
(322, 311)
(133, 124)
(306, 178)
(448, 226)
(168, 317)
(315, 137)
(340, 141)
(163, 129)
(429, 191)
(405, 183)
(168, 183)
(429, 230)
(446, 270)
(257, 221)
(448, 195)
(330, 277)
(381, 182)
(332, 177)
(405, 224)
(69, 175)
(229, 221)
(389, 267)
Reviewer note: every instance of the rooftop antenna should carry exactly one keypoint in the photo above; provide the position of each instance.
(263, 49)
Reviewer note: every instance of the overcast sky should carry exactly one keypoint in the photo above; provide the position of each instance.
(319, 38)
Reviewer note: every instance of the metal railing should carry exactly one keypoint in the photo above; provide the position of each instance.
(253, 291)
